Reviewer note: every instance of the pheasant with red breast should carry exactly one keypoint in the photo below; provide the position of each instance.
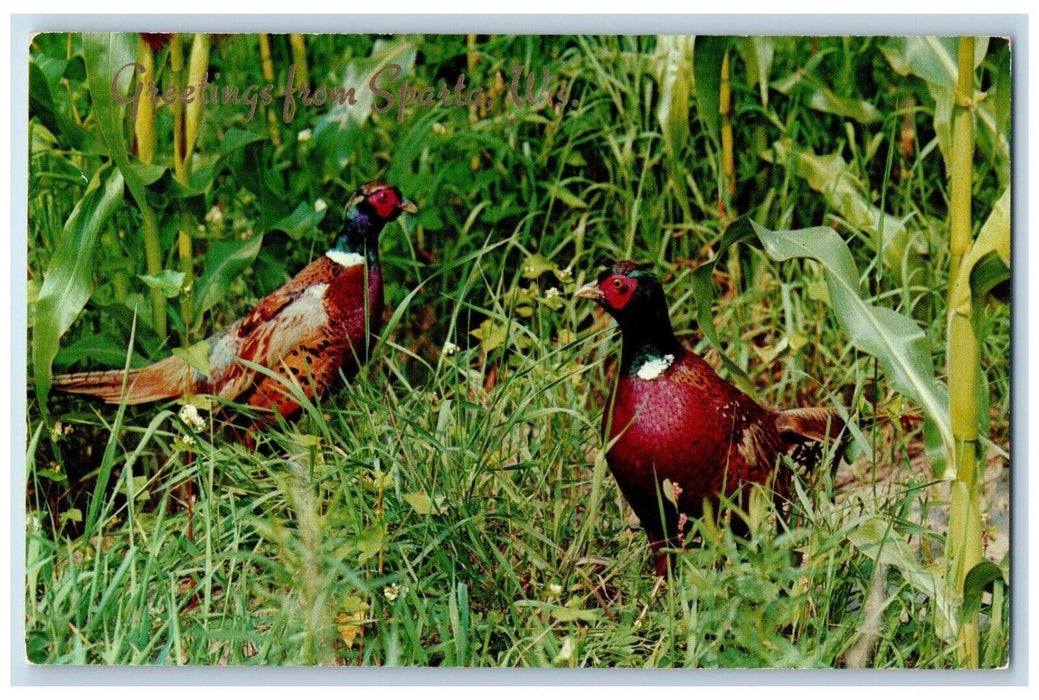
(671, 417)
(320, 322)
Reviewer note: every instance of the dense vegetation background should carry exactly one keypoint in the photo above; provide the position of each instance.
(451, 506)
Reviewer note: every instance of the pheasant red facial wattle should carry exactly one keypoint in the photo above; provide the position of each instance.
(320, 322)
(671, 417)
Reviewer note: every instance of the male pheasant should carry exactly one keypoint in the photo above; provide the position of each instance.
(672, 417)
(321, 321)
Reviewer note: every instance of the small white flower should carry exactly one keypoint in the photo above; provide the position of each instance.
(391, 592)
(304, 135)
(439, 128)
(555, 589)
(215, 215)
(551, 293)
(567, 273)
(320, 205)
(189, 414)
(449, 349)
(654, 367)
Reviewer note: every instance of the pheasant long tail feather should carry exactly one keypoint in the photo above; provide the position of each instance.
(167, 379)
(800, 424)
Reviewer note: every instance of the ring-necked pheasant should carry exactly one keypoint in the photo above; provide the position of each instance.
(321, 321)
(672, 417)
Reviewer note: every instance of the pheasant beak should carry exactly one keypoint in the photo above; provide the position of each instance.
(590, 291)
(408, 207)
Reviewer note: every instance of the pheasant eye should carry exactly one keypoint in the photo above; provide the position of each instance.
(618, 284)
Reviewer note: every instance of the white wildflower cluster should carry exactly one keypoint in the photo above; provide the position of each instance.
(320, 205)
(449, 349)
(190, 416)
(304, 135)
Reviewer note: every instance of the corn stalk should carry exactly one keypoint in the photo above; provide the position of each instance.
(186, 122)
(728, 156)
(963, 543)
(268, 74)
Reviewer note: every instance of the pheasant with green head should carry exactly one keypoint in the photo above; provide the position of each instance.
(320, 322)
(671, 417)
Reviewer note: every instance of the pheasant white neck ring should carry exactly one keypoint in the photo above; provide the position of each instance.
(655, 366)
(345, 259)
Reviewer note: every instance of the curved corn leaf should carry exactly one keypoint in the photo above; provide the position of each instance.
(830, 175)
(67, 282)
(987, 261)
(896, 341)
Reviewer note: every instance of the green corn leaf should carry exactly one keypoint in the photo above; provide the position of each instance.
(708, 55)
(896, 341)
(674, 63)
(987, 261)
(830, 175)
(106, 55)
(757, 53)
(67, 282)
(980, 577)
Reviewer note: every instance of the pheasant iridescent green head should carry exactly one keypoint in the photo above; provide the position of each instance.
(373, 205)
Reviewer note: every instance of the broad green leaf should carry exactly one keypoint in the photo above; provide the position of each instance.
(235, 138)
(896, 341)
(304, 218)
(169, 282)
(371, 541)
(708, 55)
(67, 282)
(223, 262)
(197, 356)
(106, 55)
(992, 240)
(422, 504)
(491, 335)
(571, 612)
(831, 176)
(536, 265)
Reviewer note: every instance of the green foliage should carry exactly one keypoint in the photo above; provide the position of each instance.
(452, 505)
